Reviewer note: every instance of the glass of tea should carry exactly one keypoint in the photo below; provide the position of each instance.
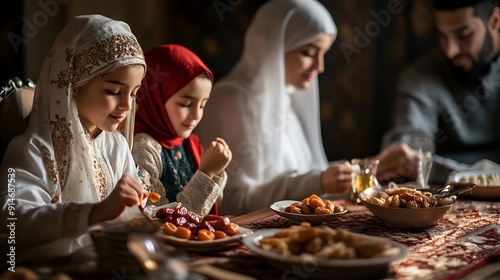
(365, 170)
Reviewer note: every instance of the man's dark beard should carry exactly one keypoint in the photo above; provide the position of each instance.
(479, 67)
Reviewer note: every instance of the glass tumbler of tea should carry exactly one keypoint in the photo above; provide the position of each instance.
(365, 171)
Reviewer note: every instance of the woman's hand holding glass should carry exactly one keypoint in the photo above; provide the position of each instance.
(215, 158)
(337, 178)
(128, 192)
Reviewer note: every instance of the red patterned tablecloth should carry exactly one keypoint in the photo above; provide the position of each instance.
(464, 240)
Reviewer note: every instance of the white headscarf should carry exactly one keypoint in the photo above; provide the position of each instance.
(257, 82)
(88, 47)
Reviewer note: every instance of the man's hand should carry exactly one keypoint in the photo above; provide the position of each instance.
(397, 161)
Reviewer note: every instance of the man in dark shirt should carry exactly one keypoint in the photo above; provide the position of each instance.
(449, 99)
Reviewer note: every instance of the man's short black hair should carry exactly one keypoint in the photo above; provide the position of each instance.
(456, 4)
(483, 9)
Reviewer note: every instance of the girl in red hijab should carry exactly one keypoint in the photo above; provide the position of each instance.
(170, 103)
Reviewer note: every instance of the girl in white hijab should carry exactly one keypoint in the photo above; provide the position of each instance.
(267, 110)
(71, 168)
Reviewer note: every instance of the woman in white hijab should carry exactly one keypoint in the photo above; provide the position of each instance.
(267, 109)
(71, 168)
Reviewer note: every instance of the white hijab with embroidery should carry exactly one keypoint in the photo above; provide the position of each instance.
(257, 82)
(88, 47)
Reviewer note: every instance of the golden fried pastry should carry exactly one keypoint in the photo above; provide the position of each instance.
(323, 242)
(405, 198)
(314, 205)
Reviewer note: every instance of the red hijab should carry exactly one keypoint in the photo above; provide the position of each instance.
(170, 68)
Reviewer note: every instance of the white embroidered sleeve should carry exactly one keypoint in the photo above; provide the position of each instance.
(147, 154)
(39, 220)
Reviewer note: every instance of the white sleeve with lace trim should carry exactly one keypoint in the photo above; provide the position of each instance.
(200, 193)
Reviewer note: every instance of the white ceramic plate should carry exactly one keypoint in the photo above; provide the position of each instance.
(315, 219)
(205, 245)
(483, 192)
(325, 269)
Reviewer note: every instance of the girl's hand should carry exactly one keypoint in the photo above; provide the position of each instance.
(128, 192)
(215, 158)
(337, 178)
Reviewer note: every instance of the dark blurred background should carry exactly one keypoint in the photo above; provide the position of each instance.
(376, 39)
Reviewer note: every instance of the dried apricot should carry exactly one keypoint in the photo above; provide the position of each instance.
(183, 232)
(169, 228)
(219, 234)
(204, 234)
(231, 229)
(154, 197)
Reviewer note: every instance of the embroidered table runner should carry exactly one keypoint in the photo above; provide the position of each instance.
(464, 240)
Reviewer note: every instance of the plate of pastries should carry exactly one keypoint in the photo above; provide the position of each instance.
(312, 209)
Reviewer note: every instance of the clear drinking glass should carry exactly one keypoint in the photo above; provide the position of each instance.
(365, 170)
(418, 140)
(424, 168)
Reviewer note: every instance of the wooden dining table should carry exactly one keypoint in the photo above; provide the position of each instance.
(465, 245)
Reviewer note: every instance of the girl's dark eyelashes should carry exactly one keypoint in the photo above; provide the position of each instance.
(112, 92)
(308, 53)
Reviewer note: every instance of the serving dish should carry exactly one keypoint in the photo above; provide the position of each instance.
(404, 217)
(204, 246)
(314, 219)
(480, 191)
(193, 245)
(372, 268)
